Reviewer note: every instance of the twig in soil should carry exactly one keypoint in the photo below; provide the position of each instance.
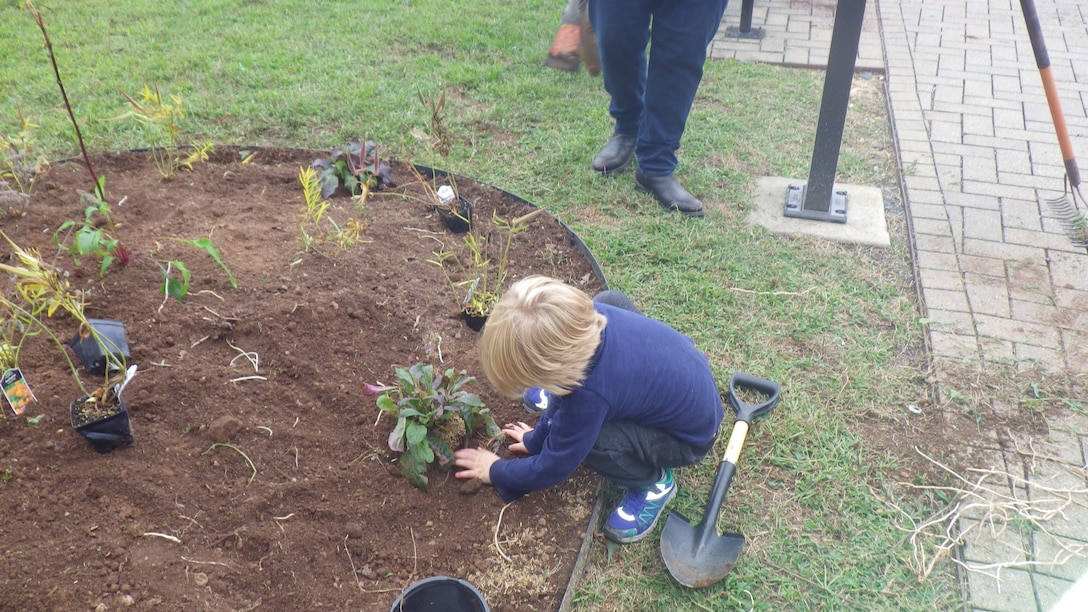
(282, 518)
(354, 572)
(193, 345)
(495, 537)
(241, 378)
(793, 293)
(527, 217)
(196, 562)
(237, 450)
(251, 356)
(415, 555)
(296, 457)
(192, 521)
(214, 294)
(268, 429)
(163, 536)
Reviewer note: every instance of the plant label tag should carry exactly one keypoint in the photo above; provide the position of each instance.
(16, 390)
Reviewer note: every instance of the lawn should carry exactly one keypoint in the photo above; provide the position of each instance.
(836, 325)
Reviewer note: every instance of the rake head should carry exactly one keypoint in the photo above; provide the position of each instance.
(1070, 210)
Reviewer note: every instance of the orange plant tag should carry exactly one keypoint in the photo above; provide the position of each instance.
(16, 390)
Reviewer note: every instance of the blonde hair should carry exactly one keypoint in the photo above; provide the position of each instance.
(542, 333)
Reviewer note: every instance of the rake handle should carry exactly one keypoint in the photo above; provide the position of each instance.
(1042, 60)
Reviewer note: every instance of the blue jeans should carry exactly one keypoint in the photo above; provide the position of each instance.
(652, 99)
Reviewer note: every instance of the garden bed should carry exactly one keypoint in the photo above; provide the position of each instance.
(305, 509)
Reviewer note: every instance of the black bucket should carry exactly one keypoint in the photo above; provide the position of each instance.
(105, 434)
(440, 594)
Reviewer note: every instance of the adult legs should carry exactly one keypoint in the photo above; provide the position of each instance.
(681, 31)
(623, 31)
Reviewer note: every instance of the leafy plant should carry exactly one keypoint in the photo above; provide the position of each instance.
(160, 120)
(41, 291)
(354, 165)
(424, 402)
(480, 279)
(96, 235)
(20, 164)
(176, 276)
(438, 136)
(313, 217)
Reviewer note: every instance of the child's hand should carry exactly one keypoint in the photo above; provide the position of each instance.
(517, 431)
(477, 463)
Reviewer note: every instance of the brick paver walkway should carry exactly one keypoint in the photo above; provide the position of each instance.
(994, 268)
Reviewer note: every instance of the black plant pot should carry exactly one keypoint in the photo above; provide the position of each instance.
(440, 593)
(458, 220)
(475, 323)
(105, 426)
(93, 356)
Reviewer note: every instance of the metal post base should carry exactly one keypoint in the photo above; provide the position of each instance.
(737, 32)
(795, 206)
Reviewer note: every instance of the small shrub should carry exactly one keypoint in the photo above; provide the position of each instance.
(160, 120)
(424, 401)
(355, 166)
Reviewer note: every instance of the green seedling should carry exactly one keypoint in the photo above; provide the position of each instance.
(96, 235)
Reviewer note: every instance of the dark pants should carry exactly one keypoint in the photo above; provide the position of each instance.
(651, 98)
(629, 454)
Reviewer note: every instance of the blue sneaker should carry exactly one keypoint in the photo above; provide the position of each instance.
(536, 400)
(639, 510)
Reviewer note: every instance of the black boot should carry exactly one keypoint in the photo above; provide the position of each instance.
(669, 194)
(615, 155)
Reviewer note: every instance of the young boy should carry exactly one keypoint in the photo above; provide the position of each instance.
(629, 396)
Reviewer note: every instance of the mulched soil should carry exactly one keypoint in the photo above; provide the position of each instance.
(278, 492)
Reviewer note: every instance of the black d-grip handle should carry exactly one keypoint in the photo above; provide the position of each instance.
(747, 412)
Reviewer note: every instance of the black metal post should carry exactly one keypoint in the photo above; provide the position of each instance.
(819, 201)
(745, 30)
(746, 15)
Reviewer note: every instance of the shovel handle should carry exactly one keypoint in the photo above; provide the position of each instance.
(736, 442)
(748, 412)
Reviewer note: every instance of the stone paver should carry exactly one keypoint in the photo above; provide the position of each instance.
(999, 279)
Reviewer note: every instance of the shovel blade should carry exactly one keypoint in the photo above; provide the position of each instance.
(695, 554)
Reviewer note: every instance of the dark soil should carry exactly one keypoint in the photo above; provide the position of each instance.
(264, 481)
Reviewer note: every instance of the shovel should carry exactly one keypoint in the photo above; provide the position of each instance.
(695, 554)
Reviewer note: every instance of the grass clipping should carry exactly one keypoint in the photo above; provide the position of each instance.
(1000, 514)
(527, 561)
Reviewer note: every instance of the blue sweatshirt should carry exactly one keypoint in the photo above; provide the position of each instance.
(643, 371)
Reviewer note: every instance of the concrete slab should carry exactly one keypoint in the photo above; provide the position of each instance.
(865, 222)
(1012, 592)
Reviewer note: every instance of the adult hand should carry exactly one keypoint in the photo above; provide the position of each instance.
(477, 463)
(517, 431)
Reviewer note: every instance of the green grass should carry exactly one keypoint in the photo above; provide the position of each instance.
(835, 324)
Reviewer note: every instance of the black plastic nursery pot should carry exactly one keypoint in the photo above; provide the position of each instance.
(458, 220)
(95, 356)
(440, 594)
(106, 427)
(475, 323)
